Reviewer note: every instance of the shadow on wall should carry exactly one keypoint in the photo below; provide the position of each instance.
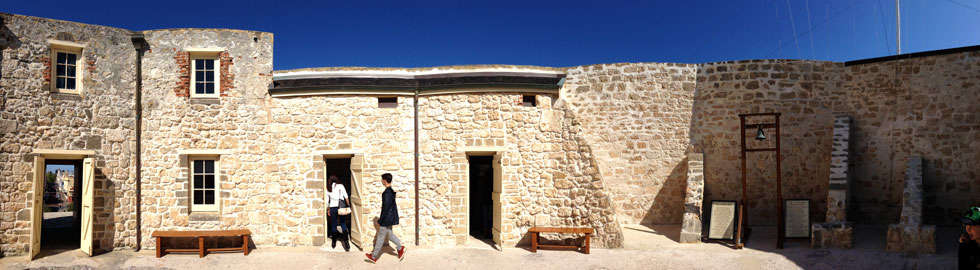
(7, 40)
(671, 195)
(104, 214)
(931, 188)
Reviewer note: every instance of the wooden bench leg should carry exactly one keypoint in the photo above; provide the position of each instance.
(200, 245)
(159, 248)
(587, 242)
(534, 242)
(245, 244)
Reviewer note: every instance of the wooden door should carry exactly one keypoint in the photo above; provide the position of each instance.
(88, 199)
(356, 216)
(37, 206)
(497, 199)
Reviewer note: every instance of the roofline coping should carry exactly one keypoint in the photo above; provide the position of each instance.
(417, 74)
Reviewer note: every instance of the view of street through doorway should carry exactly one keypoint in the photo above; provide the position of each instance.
(61, 225)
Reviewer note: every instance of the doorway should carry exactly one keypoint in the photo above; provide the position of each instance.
(61, 229)
(481, 199)
(346, 176)
(61, 218)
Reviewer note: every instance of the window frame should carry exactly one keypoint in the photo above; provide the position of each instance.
(59, 46)
(217, 77)
(212, 54)
(216, 207)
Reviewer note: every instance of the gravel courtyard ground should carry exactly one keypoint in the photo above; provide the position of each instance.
(652, 247)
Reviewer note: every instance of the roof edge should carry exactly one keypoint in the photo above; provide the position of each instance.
(913, 55)
(29, 17)
(203, 29)
(447, 68)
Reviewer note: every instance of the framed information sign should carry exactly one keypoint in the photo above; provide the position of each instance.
(797, 217)
(721, 225)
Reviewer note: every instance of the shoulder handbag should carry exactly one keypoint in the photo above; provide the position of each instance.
(343, 209)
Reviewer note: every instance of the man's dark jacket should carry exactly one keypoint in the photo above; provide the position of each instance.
(969, 255)
(389, 210)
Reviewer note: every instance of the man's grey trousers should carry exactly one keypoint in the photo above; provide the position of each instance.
(385, 234)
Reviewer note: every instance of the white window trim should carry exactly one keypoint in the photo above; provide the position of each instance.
(208, 54)
(217, 185)
(217, 77)
(67, 47)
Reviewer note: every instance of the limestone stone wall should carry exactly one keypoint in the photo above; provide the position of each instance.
(637, 119)
(805, 93)
(101, 119)
(924, 106)
(920, 106)
(549, 175)
(300, 127)
(258, 190)
(609, 148)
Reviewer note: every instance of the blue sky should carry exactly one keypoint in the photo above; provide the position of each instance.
(549, 33)
(52, 168)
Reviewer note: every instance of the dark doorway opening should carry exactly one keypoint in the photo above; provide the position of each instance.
(339, 167)
(61, 224)
(481, 199)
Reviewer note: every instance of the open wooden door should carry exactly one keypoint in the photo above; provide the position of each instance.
(356, 216)
(497, 205)
(37, 206)
(88, 199)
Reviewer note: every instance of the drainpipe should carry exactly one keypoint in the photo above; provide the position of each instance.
(416, 103)
(140, 44)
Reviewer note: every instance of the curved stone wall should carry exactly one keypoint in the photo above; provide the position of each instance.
(804, 92)
(924, 106)
(610, 147)
(549, 175)
(100, 119)
(637, 119)
(254, 193)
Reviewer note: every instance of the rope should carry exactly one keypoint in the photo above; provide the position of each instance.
(779, 39)
(883, 28)
(813, 53)
(814, 26)
(793, 23)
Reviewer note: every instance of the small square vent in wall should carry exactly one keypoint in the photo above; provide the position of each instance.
(387, 102)
(530, 101)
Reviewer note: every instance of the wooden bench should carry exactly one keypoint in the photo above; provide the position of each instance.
(536, 231)
(200, 235)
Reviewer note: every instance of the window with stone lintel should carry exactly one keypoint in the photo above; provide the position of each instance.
(204, 185)
(66, 67)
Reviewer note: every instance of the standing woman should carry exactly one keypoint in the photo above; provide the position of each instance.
(337, 194)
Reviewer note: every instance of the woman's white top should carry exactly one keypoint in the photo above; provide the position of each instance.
(338, 193)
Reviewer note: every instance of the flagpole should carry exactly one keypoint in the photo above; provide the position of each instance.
(898, 26)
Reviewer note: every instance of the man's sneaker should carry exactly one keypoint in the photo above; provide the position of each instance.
(373, 260)
(401, 253)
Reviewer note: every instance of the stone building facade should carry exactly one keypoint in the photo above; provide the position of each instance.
(99, 121)
(596, 145)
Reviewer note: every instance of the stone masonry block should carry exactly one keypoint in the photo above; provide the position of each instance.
(832, 235)
(912, 194)
(911, 239)
(691, 226)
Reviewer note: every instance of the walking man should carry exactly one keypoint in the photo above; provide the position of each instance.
(389, 217)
